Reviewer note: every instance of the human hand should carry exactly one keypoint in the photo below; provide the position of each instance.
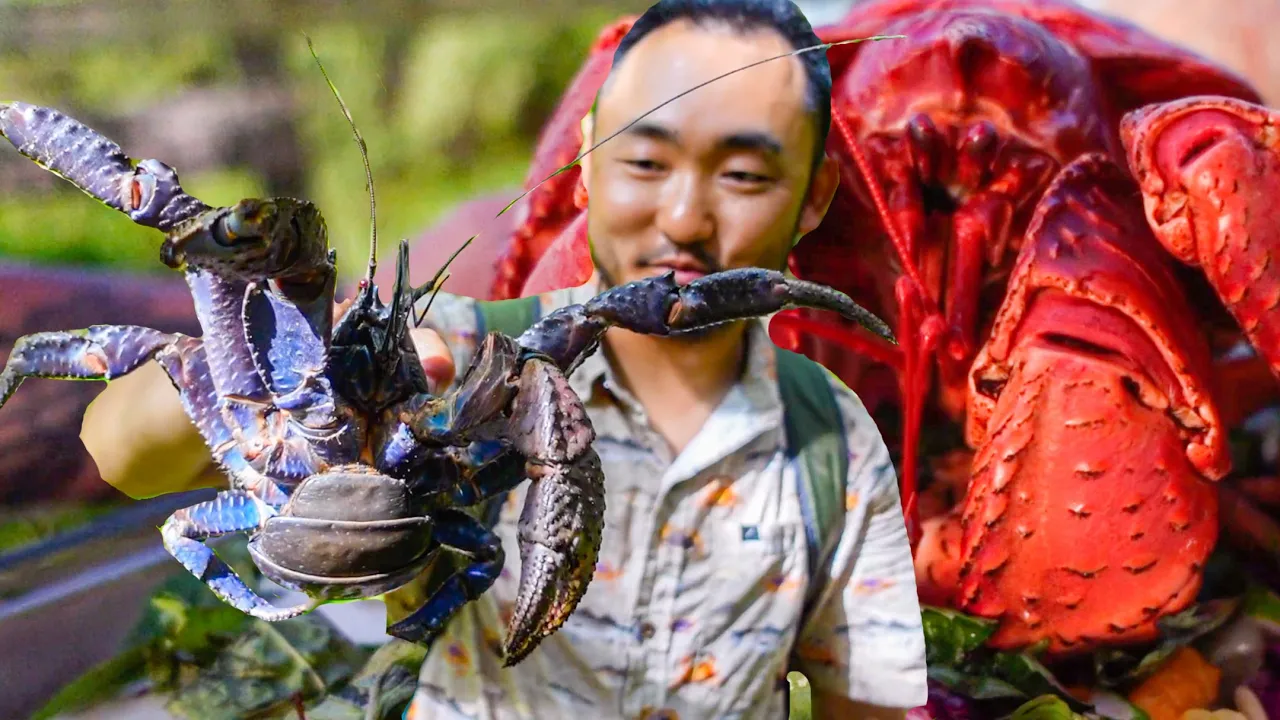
(436, 358)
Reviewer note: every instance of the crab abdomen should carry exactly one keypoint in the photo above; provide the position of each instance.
(348, 527)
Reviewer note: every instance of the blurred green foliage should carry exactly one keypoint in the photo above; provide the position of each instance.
(448, 99)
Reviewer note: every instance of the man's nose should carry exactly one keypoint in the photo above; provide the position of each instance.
(686, 215)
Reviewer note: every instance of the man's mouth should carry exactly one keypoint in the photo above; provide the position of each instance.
(687, 270)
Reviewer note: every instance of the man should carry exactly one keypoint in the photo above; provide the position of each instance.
(702, 598)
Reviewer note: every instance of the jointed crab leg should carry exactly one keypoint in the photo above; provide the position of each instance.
(562, 524)
(99, 352)
(264, 264)
(229, 512)
(461, 533)
(148, 193)
(563, 517)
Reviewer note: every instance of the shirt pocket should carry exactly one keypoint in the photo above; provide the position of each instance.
(757, 573)
(747, 617)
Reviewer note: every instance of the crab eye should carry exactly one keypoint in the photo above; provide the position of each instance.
(245, 222)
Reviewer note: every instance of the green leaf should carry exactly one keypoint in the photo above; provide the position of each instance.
(959, 660)
(102, 682)
(950, 636)
(389, 678)
(1260, 603)
(973, 686)
(801, 696)
(1045, 707)
(269, 667)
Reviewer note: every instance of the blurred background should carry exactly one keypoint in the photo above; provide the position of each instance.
(449, 96)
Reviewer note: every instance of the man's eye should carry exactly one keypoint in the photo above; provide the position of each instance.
(749, 178)
(644, 165)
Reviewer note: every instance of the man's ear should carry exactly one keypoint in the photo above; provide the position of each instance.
(822, 190)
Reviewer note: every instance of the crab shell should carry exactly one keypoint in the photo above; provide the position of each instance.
(349, 517)
(990, 117)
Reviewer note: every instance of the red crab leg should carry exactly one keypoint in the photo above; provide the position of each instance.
(921, 329)
(1089, 514)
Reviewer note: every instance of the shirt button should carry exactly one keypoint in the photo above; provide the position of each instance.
(647, 630)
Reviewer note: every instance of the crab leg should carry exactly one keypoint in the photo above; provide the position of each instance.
(188, 370)
(99, 352)
(561, 527)
(562, 524)
(658, 306)
(260, 272)
(149, 193)
(461, 533)
(229, 512)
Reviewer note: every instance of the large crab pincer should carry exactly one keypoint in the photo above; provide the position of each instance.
(349, 475)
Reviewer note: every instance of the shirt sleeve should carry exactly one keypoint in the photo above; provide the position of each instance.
(863, 638)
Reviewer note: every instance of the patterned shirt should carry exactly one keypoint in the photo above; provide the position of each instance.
(697, 606)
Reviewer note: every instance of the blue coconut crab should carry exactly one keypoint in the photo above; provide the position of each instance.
(348, 474)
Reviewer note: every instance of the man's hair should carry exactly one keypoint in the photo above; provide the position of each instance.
(782, 16)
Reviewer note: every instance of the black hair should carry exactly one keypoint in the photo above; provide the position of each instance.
(781, 16)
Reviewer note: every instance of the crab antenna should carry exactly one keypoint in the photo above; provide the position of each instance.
(624, 128)
(364, 155)
(436, 283)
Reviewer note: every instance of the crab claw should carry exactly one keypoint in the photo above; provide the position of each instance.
(1209, 169)
(1091, 511)
(562, 524)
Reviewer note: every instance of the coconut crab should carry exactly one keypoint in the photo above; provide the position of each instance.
(995, 165)
(349, 475)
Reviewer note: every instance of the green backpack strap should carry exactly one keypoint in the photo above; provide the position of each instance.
(817, 442)
(509, 317)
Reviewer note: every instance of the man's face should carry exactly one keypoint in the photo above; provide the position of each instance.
(715, 180)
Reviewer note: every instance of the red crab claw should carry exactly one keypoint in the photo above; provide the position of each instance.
(550, 210)
(1209, 169)
(1090, 513)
